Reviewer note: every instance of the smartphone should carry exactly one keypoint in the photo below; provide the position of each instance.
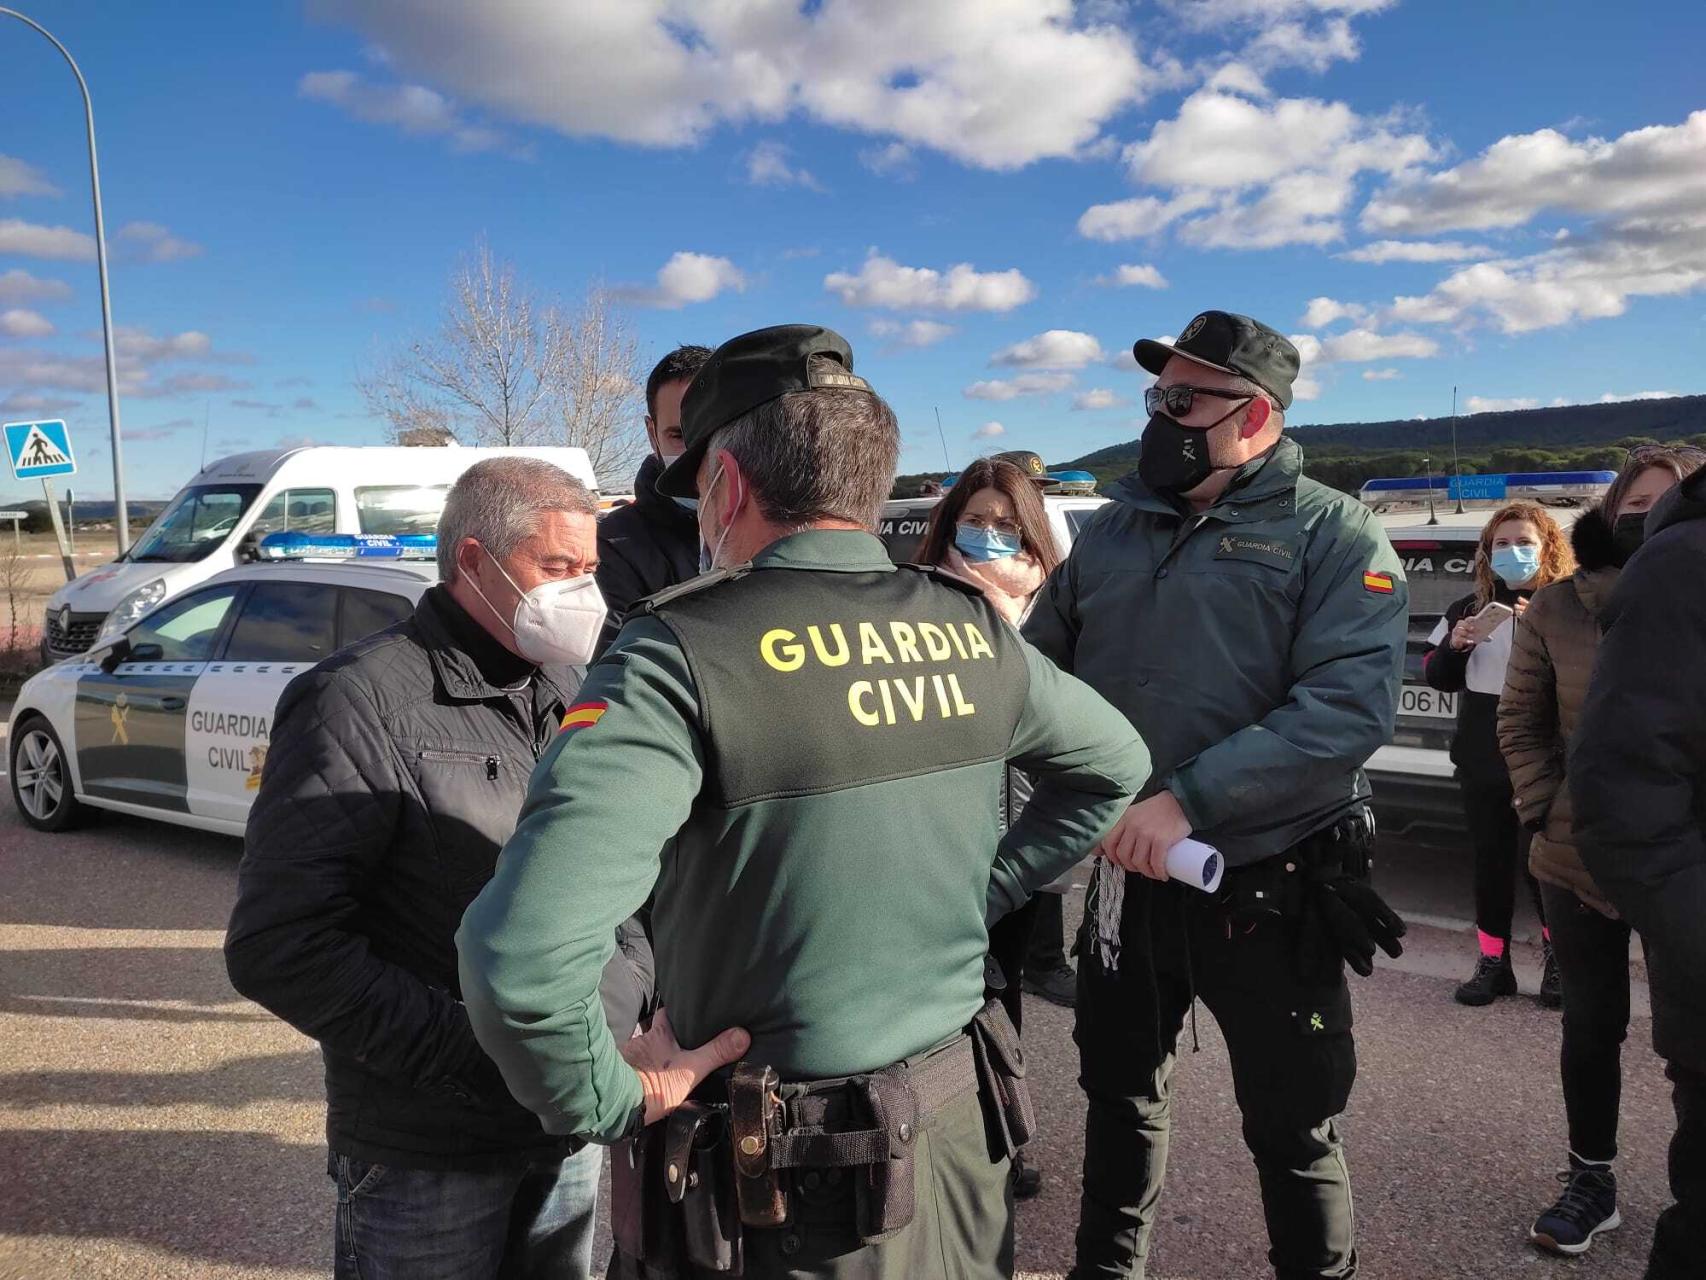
(1490, 619)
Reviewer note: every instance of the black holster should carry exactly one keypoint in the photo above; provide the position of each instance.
(1001, 1078)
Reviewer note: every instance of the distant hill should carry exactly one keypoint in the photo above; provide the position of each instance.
(92, 512)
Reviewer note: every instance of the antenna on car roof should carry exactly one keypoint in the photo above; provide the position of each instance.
(945, 460)
(1455, 464)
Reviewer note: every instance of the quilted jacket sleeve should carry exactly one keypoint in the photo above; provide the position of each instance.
(321, 826)
(1528, 714)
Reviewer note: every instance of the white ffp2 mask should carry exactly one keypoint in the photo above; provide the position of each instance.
(557, 623)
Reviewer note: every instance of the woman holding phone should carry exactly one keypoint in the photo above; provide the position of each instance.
(1550, 665)
(1522, 549)
(992, 529)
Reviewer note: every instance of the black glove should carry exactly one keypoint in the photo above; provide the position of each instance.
(1344, 917)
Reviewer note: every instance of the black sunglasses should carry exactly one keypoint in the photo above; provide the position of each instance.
(1177, 399)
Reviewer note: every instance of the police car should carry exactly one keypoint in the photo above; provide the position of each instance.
(1415, 783)
(170, 718)
(1069, 499)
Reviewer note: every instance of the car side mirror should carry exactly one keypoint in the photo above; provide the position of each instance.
(146, 653)
(120, 652)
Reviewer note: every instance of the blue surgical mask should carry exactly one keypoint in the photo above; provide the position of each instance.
(1516, 565)
(979, 544)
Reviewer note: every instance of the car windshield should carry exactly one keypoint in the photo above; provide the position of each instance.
(198, 520)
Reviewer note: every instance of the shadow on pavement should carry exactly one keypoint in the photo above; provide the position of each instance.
(238, 1198)
(270, 1077)
(149, 983)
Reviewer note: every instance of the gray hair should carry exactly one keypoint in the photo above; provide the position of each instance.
(824, 454)
(499, 501)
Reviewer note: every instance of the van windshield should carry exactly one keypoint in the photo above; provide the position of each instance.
(198, 520)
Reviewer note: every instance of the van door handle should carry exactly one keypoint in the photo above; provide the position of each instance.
(171, 702)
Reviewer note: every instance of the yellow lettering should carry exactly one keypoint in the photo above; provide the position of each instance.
(941, 695)
(959, 645)
(905, 642)
(860, 689)
(913, 696)
(871, 646)
(781, 650)
(840, 656)
(888, 702)
(977, 643)
(961, 706)
(934, 641)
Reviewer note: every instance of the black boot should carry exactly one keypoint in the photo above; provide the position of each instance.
(1027, 1178)
(1551, 985)
(1057, 986)
(1492, 978)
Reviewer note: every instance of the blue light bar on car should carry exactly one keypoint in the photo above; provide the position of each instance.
(1470, 487)
(291, 545)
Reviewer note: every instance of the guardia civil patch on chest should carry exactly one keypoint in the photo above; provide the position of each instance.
(1281, 553)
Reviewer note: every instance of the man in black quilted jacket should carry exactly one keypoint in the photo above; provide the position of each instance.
(395, 773)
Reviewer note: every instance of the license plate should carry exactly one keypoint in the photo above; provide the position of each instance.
(1420, 700)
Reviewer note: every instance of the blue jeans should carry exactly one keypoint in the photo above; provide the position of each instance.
(524, 1222)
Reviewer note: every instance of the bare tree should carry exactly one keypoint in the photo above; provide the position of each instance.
(503, 368)
(16, 576)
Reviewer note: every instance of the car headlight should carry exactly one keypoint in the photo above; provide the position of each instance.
(131, 608)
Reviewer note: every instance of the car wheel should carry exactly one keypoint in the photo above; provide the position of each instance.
(41, 777)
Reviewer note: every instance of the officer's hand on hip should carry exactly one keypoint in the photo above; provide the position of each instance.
(1143, 834)
(668, 1073)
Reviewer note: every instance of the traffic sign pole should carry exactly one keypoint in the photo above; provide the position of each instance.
(59, 531)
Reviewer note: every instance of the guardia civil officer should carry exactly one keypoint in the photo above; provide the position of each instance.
(801, 750)
(1251, 624)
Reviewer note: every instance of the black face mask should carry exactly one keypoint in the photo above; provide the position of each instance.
(1176, 458)
(1627, 534)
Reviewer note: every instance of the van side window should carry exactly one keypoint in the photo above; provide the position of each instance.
(297, 510)
(396, 508)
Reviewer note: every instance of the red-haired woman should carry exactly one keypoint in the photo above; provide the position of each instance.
(1522, 549)
(992, 528)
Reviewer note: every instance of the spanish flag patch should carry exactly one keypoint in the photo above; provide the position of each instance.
(1379, 583)
(583, 715)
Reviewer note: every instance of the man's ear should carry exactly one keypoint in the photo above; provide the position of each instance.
(467, 557)
(1256, 418)
(652, 432)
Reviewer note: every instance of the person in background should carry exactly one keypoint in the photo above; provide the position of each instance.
(397, 771)
(1545, 685)
(1637, 774)
(653, 542)
(991, 528)
(1522, 549)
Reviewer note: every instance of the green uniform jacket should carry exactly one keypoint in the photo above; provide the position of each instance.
(1256, 646)
(843, 927)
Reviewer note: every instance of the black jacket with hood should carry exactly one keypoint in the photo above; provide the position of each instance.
(650, 544)
(1638, 764)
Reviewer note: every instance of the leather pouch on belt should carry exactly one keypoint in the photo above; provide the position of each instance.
(642, 1220)
(754, 1120)
(699, 1177)
(1001, 1075)
(886, 1198)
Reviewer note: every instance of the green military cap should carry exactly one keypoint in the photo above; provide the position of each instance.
(1233, 344)
(746, 372)
(1029, 462)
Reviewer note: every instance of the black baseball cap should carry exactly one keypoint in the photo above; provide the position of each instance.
(746, 372)
(1233, 344)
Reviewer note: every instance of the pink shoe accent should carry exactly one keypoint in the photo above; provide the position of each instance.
(1491, 946)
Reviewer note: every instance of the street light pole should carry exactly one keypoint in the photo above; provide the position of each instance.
(121, 513)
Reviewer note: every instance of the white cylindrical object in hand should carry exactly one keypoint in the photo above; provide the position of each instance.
(1197, 864)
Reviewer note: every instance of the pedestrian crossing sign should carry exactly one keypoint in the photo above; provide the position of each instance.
(39, 449)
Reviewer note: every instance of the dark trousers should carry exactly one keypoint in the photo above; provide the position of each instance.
(1681, 1228)
(1593, 963)
(1009, 940)
(1048, 939)
(1293, 1063)
(1501, 855)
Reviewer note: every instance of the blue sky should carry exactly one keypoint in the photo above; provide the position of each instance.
(1510, 198)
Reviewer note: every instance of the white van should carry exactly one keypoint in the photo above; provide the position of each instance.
(217, 519)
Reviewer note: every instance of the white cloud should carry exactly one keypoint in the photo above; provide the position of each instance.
(1322, 312)
(911, 333)
(18, 285)
(1052, 349)
(1381, 375)
(1299, 44)
(1417, 251)
(1495, 404)
(767, 166)
(1612, 397)
(145, 348)
(1138, 216)
(1235, 77)
(22, 402)
(684, 279)
(995, 86)
(30, 240)
(895, 160)
(1361, 346)
(19, 323)
(20, 179)
(413, 108)
(1098, 398)
(1305, 387)
(155, 243)
(1026, 384)
(883, 282)
(989, 431)
(1135, 275)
